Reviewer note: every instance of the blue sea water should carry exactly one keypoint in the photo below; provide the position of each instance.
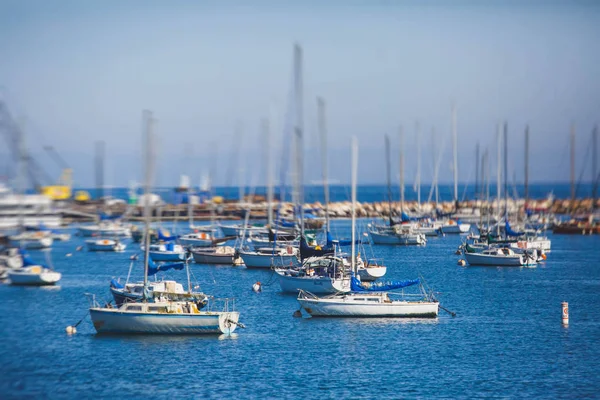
(375, 193)
(506, 340)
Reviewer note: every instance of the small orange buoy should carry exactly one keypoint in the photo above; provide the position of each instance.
(257, 287)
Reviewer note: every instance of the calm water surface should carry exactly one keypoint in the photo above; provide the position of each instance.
(506, 341)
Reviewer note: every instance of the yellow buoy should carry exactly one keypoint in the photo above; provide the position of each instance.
(71, 330)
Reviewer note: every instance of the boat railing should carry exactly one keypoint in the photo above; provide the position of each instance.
(226, 304)
(92, 300)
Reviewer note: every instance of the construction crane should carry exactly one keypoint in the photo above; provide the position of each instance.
(62, 189)
(12, 131)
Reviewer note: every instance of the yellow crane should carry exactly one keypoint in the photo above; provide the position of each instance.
(62, 189)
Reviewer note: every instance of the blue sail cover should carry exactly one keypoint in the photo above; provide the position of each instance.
(154, 268)
(356, 285)
(165, 237)
(510, 232)
(116, 284)
(106, 217)
(28, 262)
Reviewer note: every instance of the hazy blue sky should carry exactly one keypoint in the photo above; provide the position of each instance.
(80, 71)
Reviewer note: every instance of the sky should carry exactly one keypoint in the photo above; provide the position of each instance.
(76, 72)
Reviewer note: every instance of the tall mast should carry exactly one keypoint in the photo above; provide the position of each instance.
(354, 178)
(100, 169)
(267, 133)
(323, 134)
(418, 129)
(455, 152)
(477, 171)
(401, 134)
(499, 173)
(526, 166)
(299, 128)
(148, 121)
(389, 175)
(594, 166)
(21, 172)
(435, 167)
(572, 165)
(487, 185)
(505, 172)
(482, 175)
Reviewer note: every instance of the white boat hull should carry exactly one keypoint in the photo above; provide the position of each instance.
(266, 261)
(21, 277)
(158, 256)
(368, 274)
(495, 261)
(14, 221)
(94, 230)
(116, 321)
(339, 307)
(393, 239)
(195, 242)
(105, 245)
(456, 228)
(32, 244)
(313, 284)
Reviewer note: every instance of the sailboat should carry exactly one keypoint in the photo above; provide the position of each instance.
(455, 226)
(163, 315)
(395, 234)
(32, 274)
(105, 245)
(365, 301)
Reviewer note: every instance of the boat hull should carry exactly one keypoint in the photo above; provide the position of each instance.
(157, 256)
(89, 231)
(406, 240)
(494, 261)
(31, 279)
(212, 258)
(397, 309)
(32, 244)
(456, 228)
(316, 285)
(195, 242)
(115, 321)
(266, 261)
(369, 274)
(109, 246)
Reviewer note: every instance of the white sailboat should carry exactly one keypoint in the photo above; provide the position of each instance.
(168, 251)
(225, 255)
(32, 274)
(164, 315)
(105, 245)
(499, 257)
(365, 303)
(105, 228)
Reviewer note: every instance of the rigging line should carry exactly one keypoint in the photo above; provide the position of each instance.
(585, 159)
